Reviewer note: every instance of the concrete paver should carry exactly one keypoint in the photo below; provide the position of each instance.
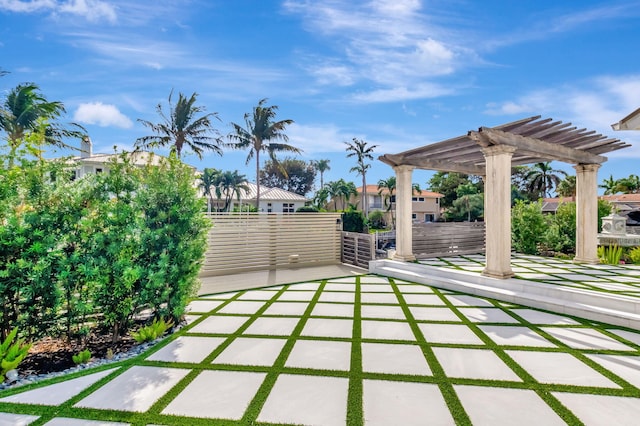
(402, 403)
(134, 390)
(487, 406)
(394, 359)
(217, 394)
(474, 364)
(310, 400)
(560, 368)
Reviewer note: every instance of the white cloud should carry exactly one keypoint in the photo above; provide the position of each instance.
(391, 43)
(92, 10)
(594, 104)
(27, 6)
(400, 93)
(316, 138)
(102, 115)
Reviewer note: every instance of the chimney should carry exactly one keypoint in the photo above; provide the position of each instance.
(86, 147)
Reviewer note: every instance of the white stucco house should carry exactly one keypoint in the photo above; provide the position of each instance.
(272, 200)
(89, 163)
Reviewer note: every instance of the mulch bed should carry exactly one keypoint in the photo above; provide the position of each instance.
(51, 355)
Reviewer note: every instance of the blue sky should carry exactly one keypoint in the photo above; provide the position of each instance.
(398, 73)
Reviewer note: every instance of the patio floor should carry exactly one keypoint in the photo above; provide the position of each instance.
(356, 350)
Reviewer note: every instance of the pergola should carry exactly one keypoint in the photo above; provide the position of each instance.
(630, 122)
(491, 152)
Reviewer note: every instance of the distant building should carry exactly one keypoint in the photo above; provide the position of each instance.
(89, 163)
(272, 200)
(627, 205)
(424, 208)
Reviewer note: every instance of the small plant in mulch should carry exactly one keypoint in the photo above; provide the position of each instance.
(81, 357)
(12, 352)
(152, 331)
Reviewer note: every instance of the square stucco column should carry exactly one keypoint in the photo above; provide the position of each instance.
(586, 213)
(404, 223)
(497, 210)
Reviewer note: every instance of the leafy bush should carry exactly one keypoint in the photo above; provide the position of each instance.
(12, 352)
(353, 221)
(528, 226)
(82, 357)
(307, 209)
(152, 331)
(94, 251)
(610, 255)
(376, 220)
(634, 255)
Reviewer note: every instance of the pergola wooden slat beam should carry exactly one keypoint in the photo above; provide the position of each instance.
(527, 144)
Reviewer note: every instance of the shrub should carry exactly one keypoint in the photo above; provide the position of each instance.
(307, 209)
(376, 220)
(152, 331)
(528, 226)
(634, 255)
(610, 255)
(12, 352)
(82, 357)
(353, 221)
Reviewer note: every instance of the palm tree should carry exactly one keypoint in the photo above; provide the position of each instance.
(542, 178)
(230, 184)
(341, 190)
(628, 185)
(208, 183)
(322, 166)
(610, 185)
(567, 187)
(362, 152)
(182, 129)
(25, 110)
(260, 129)
(389, 185)
(321, 197)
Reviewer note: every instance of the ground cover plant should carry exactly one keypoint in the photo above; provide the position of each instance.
(88, 255)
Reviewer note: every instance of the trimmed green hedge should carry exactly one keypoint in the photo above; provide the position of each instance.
(97, 250)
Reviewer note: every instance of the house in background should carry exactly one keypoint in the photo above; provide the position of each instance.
(424, 208)
(626, 205)
(272, 200)
(89, 163)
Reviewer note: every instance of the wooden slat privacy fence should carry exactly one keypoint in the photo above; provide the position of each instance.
(448, 238)
(240, 242)
(358, 249)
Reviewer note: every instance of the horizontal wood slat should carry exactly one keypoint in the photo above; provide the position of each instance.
(239, 242)
(446, 239)
(358, 249)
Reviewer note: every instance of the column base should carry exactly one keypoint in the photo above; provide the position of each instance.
(499, 274)
(404, 257)
(588, 260)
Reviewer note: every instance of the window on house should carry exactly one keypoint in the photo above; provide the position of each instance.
(73, 175)
(288, 208)
(421, 199)
(98, 169)
(414, 216)
(414, 199)
(428, 217)
(393, 198)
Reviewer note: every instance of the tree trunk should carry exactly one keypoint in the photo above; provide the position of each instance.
(258, 180)
(365, 203)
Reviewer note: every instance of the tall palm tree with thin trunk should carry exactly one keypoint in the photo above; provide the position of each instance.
(181, 129)
(322, 166)
(208, 184)
(26, 110)
(230, 184)
(363, 152)
(259, 135)
(542, 178)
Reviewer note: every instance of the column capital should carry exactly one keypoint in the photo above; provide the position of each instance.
(403, 168)
(593, 167)
(498, 149)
